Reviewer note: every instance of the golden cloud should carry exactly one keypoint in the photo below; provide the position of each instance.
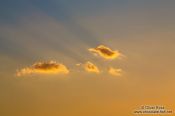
(115, 71)
(106, 52)
(90, 67)
(50, 67)
(78, 64)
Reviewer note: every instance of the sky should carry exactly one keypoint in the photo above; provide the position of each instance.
(86, 57)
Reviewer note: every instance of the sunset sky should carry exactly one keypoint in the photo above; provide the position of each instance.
(86, 57)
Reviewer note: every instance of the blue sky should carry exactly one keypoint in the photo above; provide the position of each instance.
(66, 29)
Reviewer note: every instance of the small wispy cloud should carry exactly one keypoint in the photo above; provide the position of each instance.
(50, 67)
(106, 52)
(78, 64)
(115, 71)
(90, 67)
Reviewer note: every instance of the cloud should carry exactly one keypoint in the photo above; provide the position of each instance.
(106, 52)
(50, 67)
(78, 64)
(115, 71)
(90, 67)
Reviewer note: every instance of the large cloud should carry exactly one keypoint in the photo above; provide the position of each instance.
(50, 67)
(106, 52)
(115, 71)
(90, 67)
